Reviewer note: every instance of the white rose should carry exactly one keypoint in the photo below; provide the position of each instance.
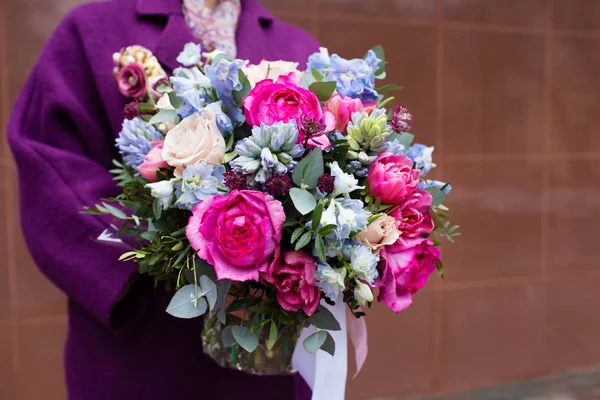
(196, 138)
(269, 70)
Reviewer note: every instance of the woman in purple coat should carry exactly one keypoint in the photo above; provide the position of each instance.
(121, 344)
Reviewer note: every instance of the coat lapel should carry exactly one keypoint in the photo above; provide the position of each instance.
(251, 36)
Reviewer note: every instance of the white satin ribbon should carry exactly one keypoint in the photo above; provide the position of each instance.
(325, 374)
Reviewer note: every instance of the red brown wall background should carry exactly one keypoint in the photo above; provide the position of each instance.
(509, 93)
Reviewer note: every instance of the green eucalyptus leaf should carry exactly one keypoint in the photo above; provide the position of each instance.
(309, 169)
(405, 138)
(329, 344)
(315, 341)
(242, 336)
(185, 303)
(227, 337)
(303, 200)
(324, 319)
(164, 116)
(437, 195)
(323, 90)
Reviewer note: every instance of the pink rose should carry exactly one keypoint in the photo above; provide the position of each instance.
(132, 80)
(412, 216)
(406, 267)
(295, 285)
(284, 100)
(238, 233)
(392, 178)
(342, 109)
(153, 162)
(379, 233)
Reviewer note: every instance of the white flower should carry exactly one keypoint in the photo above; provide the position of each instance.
(329, 216)
(364, 263)
(330, 280)
(190, 54)
(344, 183)
(163, 190)
(269, 70)
(363, 293)
(196, 138)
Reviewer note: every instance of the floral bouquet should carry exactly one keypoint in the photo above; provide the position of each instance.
(264, 195)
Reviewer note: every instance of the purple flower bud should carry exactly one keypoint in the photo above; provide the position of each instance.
(279, 185)
(401, 120)
(325, 183)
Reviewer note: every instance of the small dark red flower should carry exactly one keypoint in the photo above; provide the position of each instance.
(132, 110)
(235, 180)
(279, 185)
(132, 81)
(325, 183)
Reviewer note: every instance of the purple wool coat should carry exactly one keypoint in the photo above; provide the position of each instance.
(121, 343)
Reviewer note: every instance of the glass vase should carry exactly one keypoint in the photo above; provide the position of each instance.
(262, 361)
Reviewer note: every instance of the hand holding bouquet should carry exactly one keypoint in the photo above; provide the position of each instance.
(263, 194)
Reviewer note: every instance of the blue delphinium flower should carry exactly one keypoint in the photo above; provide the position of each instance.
(270, 149)
(199, 181)
(395, 147)
(348, 215)
(330, 280)
(190, 55)
(223, 121)
(421, 156)
(224, 77)
(233, 111)
(134, 140)
(319, 61)
(354, 78)
(191, 85)
(437, 184)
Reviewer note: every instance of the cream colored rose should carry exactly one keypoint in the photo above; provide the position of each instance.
(269, 70)
(379, 233)
(195, 138)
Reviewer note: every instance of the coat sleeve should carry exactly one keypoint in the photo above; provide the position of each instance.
(62, 143)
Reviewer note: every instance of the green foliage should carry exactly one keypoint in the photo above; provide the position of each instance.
(309, 169)
(323, 90)
(303, 200)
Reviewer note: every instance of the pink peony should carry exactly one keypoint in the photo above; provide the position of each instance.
(342, 109)
(153, 162)
(132, 81)
(238, 233)
(293, 278)
(412, 216)
(284, 100)
(391, 178)
(406, 267)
